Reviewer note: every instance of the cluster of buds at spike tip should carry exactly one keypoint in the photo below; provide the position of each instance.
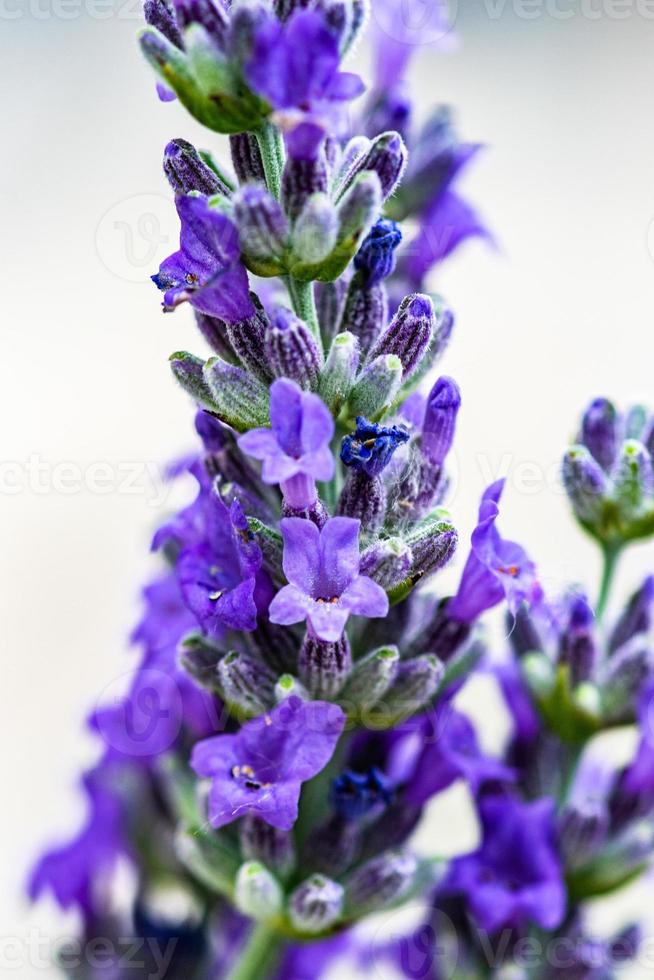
(609, 476)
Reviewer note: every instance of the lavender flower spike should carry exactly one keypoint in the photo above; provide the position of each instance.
(325, 586)
(295, 451)
(261, 769)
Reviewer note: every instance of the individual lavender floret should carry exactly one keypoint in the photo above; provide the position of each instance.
(325, 586)
(586, 484)
(206, 271)
(439, 421)
(316, 904)
(371, 447)
(260, 770)
(292, 350)
(577, 644)
(375, 259)
(355, 794)
(263, 229)
(186, 171)
(515, 877)
(295, 451)
(409, 334)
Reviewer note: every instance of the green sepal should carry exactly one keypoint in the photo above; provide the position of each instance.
(189, 373)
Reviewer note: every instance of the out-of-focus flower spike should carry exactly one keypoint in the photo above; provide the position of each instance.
(292, 351)
(409, 334)
(622, 679)
(246, 158)
(582, 829)
(380, 883)
(315, 905)
(186, 171)
(257, 892)
(637, 616)
(586, 484)
(377, 387)
(601, 431)
(324, 665)
(340, 370)
(238, 399)
(272, 847)
(189, 372)
(263, 229)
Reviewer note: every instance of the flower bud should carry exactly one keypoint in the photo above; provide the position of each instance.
(214, 332)
(371, 677)
(522, 632)
(439, 423)
(208, 856)
(301, 179)
(315, 905)
(186, 171)
(582, 829)
(387, 561)
(189, 372)
(387, 157)
(366, 311)
(375, 259)
(247, 338)
(246, 158)
(257, 892)
(409, 333)
(600, 431)
(340, 370)
(585, 483)
(415, 685)
(364, 498)
(277, 646)
(376, 387)
(324, 666)
(200, 658)
(262, 227)
(238, 399)
(380, 882)
(287, 686)
(445, 635)
(269, 845)
(330, 301)
(161, 14)
(292, 351)
(357, 210)
(636, 617)
(432, 543)
(355, 795)
(211, 14)
(315, 231)
(634, 479)
(246, 683)
(577, 647)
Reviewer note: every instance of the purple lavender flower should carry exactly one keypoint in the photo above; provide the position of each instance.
(371, 447)
(495, 569)
(295, 67)
(375, 259)
(441, 748)
(325, 586)
(295, 451)
(206, 271)
(219, 562)
(260, 770)
(72, 872)
(515, 877)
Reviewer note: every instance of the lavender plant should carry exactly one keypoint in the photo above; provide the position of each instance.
(294, 705)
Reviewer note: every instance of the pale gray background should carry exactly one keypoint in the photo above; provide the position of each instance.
(561, 313)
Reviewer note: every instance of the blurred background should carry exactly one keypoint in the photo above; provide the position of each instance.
(562, 310)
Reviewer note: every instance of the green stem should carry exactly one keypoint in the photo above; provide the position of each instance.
(304, 304)
(611, 554)
(260, 955)
(272, 153)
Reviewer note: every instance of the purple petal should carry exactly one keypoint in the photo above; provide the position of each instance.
(318, 464)
(286, 415)
(317, 427)
(328, 620)
(214, 755)
(280, 467)
(302, 553)
(339, 555)
(258, 443)
(365, 598)
(289, 606)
